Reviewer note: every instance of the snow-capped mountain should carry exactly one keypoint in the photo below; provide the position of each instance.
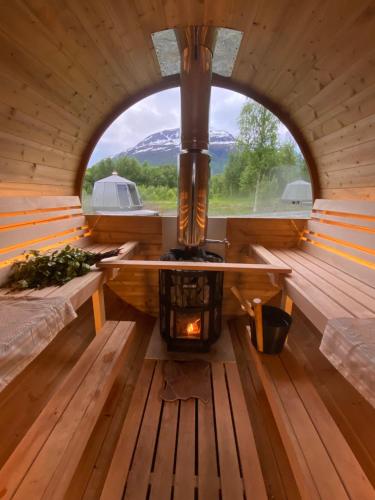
(163, 148)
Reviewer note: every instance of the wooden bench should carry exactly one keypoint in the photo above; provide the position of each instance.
(48, 223)
(46, 459)
(321, 460)
(334, 264)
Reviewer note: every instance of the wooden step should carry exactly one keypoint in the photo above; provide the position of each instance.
(45, 461)
(322, 462)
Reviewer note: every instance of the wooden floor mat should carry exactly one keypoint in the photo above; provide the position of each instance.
(186, 449)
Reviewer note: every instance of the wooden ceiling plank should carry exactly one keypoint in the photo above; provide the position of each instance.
(340, 89)
(19, 95)
(22, 26)
(31, 72)
(251, 55)
(69, 32)
(326, 52)
(285, 42)
(109, 26)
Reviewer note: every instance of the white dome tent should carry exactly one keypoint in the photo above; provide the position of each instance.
(297, 192)
(115, 194)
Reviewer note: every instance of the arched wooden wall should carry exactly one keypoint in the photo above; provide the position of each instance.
(67, 65)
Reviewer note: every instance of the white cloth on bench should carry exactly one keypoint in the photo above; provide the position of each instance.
(27, 326)
(349, 344)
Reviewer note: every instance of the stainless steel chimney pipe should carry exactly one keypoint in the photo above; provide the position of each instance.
(196, 45)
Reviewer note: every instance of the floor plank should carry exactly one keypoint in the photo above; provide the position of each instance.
(163, 469)
(251, 470)
(185, 459)
(139, 475)
(208, 480)
(230, 476)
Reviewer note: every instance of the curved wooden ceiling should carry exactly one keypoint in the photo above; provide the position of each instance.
(68, 66)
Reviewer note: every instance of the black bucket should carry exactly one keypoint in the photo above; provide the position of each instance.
(276, 324)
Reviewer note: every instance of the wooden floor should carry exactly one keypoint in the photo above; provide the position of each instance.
(187, 449)
(188, 446)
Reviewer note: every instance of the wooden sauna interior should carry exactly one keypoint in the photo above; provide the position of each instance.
(279, 427)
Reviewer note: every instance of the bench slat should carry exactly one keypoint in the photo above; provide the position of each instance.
(194, 266)
(362, 273)
(338, 282)
(334, 271)
(80, 289)
(315, 305)
(343, 300)
(266, 255)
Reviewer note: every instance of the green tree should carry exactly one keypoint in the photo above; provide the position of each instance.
(258, 140)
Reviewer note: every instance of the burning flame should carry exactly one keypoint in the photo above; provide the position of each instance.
(194, 328)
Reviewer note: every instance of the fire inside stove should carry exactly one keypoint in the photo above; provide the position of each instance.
(190, 303)
(194, 328)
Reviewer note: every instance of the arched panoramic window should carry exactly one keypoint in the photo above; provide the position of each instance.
(257, 168)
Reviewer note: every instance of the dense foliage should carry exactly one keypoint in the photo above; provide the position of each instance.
(130, 168)
(53, 269)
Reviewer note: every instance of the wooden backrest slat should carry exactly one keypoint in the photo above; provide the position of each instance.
(29, 234)
(344, 220)
(11, 204)
(359, 207)
(342, 263)
(28, 218)
(360, 249)
(348, 236)
(38, 223)
(342, 233)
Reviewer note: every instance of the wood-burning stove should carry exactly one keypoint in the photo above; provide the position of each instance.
(190, 303)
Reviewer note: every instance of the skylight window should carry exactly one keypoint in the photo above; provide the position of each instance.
(167, 52)
(226, 50)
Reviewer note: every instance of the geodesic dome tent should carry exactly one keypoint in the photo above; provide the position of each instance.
(297, 192)
(115, 193)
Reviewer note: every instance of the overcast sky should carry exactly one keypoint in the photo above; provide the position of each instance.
(161, 111)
